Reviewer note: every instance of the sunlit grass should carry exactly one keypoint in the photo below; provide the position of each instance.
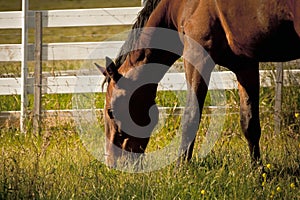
(56, 165)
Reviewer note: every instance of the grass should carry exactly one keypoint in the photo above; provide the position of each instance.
(56, 165)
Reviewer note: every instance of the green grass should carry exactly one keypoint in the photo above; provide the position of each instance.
(57, 166)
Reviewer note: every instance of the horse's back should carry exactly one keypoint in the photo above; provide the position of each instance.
(264, 30)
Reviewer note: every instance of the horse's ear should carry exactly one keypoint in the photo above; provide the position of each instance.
(109, 62)
(101, 69)
(112, 70)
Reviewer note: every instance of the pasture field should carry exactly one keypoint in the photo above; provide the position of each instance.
(56, 164)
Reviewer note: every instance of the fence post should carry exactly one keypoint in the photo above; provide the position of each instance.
(278, 97)
(24, 68)
(38, 73)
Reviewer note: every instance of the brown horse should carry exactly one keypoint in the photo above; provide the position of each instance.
(236, 34)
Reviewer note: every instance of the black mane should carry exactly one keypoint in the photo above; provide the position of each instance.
(133, 36)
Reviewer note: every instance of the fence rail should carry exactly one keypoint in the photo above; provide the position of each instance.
(72, 18)
(63, 51)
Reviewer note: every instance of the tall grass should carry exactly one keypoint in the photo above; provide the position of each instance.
(55, 165)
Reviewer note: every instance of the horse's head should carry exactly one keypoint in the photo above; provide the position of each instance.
(130, 112)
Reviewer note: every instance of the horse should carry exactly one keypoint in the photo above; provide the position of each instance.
(235, 34)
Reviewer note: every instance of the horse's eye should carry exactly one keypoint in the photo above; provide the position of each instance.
(110, 113)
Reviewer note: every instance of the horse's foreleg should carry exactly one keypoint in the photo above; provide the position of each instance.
(248, 85)
(198, 67)
(197, 89)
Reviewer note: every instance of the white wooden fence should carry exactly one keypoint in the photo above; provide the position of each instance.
(57, 51)
(68, 18)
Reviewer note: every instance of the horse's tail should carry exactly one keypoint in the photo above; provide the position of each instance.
(140, 22)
